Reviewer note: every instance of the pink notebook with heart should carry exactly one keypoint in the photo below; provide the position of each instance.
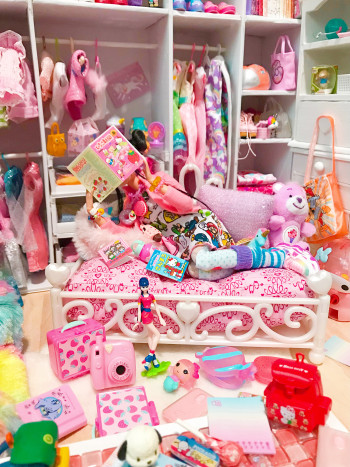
(121, 410)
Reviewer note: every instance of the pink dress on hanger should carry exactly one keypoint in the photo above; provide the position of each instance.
(28, 107)
(187, 112)
(199, 107)
(38, 257)
(12, 54)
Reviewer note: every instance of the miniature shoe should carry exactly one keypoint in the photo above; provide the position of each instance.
(251, 126)
(243, 127)
(148, 361)
(156, 362)
(226, 9)
(179, 5)
(210, 7)
(195, 5)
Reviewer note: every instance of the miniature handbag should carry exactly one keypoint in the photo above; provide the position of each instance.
(283, 66)
(326, 210)
(81, 134)
(56, 142)
(273, 107)
(295, 396)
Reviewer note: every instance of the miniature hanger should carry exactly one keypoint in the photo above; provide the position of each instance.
(5, 161)
(97, 59)
(206, 60)
(57, 50)
(72, 48)
(202, 55)
(192, 66)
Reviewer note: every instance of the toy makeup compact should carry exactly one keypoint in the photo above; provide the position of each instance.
(226, 367)
(156, 133)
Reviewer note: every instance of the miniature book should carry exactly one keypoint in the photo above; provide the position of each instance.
(106, 163)
(167, 265)
(116, 253)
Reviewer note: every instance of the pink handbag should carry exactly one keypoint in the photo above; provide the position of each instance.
(283, 66)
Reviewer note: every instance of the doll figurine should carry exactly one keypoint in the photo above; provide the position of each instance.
(145, 316)
(183, 373)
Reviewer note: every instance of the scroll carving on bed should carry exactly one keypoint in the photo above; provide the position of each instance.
(260, 308)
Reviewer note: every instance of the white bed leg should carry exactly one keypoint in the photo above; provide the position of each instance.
(317, 354)
(57, 275)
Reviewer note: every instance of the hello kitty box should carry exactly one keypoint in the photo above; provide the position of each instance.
(295, 396)
(69, 347)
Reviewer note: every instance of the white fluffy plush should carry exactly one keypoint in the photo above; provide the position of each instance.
(89, 238)
(141, 448)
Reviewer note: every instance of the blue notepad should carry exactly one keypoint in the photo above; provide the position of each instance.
(167, 265)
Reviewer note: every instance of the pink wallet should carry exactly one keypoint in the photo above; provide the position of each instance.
(59, 405)
(121, 410)
(191, 405)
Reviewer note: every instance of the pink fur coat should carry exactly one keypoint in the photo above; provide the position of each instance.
(89, 238)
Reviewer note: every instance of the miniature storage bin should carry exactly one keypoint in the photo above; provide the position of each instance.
(81, 134)
(343, 86)
(69, 347)
(295, 395)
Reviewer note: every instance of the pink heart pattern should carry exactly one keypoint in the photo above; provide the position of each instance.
(128, 407)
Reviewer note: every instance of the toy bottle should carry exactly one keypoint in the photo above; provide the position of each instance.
(142, 250)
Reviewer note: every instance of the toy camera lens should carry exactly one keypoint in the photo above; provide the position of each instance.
(120, 370)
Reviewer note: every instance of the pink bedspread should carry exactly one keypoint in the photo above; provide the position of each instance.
(95, 276)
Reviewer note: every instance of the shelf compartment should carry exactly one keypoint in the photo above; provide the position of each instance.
(117, 15)
(266, 141)
(269, 92)
(264, 26)
(64, 191)
(208, 22)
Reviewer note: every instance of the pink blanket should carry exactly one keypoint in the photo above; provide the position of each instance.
(95, 276)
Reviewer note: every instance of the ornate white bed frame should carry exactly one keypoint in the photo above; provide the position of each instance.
(310, 333)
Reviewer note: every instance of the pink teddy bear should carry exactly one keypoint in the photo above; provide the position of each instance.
(287, 224)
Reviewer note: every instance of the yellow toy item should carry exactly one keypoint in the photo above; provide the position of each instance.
(13, 374)
(56, 142)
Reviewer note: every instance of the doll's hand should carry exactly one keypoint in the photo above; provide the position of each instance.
(89, 201)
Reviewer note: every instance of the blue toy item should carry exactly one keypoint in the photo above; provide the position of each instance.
(13, 180)
(170, 385)
(195, 5)
(138, 123)
(11, 320)
(334, 26)
(226, 367)
(179, 5)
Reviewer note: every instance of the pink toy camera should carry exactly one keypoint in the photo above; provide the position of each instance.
(112, 364)
(69, 347)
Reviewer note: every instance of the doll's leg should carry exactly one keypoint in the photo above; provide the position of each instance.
(153, 339)
(206, 259)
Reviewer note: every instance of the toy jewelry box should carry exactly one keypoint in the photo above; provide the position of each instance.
(69, 347)
(59, 404)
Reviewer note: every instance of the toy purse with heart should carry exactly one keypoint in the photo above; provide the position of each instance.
(56, 142)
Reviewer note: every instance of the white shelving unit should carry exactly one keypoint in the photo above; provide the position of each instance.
(151, 37)
(321, 51)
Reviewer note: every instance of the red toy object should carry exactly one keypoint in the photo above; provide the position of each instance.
(295, 395)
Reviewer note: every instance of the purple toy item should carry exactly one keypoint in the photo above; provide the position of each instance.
(156, 133)
(76, 97)
(290, 209)
(226, 367)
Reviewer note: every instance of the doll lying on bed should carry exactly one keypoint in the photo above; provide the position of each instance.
(194, 232)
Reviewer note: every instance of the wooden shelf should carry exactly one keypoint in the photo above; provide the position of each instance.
(268, 93)
(266, 141)
(264, 26)
(184, 20)
(118, 15)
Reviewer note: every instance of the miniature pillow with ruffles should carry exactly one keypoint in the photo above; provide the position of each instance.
(12, 54)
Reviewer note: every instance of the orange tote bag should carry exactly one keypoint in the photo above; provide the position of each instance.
(325, 204)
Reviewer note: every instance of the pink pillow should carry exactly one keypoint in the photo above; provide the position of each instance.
(242, 212)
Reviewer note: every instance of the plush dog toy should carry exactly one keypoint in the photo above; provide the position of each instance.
(290, 209)
(141, 447)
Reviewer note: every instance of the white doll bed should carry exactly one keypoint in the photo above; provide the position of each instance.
(260, 308)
